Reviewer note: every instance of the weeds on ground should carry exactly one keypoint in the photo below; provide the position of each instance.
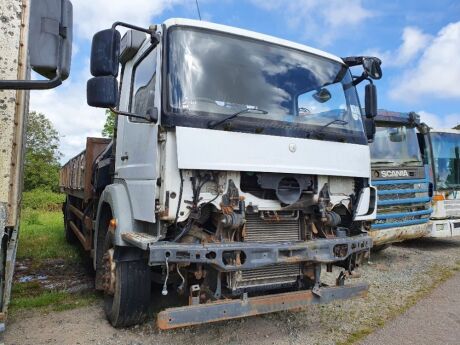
(31, 295)
(42, 237)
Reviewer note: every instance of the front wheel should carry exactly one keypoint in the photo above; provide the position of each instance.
(127, 289)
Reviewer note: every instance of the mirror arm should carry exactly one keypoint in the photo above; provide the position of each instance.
(154, 37)
(364, 76)
(124, 113)
(31, 84)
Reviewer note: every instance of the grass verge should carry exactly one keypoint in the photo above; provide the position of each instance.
(31, 295)
(41, 241)
(42, 237)
(439, 274)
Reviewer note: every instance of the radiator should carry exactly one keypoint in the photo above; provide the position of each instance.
(280, 227)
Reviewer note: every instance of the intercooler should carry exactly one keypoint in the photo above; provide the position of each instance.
(269, 227)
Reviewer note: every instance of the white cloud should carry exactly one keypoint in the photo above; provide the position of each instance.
(94, 15)
(321, 20)
(438, 122)
(437, 72)
(66, 105)
(413, 42)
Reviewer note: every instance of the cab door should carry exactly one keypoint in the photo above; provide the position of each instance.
(136, 147)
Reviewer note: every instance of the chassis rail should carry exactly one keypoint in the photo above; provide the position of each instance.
(256, 254)
(237, 308)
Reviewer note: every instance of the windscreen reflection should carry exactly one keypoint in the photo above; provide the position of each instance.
(217, 74)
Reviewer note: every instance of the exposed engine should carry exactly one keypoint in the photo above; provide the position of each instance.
(260, 208)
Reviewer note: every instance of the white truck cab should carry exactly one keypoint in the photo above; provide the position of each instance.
(444, 155)
(239, 167)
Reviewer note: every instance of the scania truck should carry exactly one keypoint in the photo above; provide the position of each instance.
(37, 35)
(238, 170)
(443, 151)
(402, 178)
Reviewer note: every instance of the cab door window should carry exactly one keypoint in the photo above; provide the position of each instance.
(143, 85)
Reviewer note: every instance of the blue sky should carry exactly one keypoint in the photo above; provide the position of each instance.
(418, 42)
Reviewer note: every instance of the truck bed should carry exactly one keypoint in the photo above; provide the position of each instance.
(75, 175)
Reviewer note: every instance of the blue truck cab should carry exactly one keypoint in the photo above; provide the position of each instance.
(402, 178)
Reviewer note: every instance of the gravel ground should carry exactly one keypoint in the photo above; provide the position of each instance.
(434, 320)
(398, 276)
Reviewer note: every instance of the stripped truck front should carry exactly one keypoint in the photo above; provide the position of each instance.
(232, 180)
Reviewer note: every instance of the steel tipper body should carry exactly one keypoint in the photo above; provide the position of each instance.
(239, 167)
(443, 150)
(13, 112)
(46, 49)
(402, 179)
(25, 44)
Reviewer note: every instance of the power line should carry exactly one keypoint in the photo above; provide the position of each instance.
(198, 9)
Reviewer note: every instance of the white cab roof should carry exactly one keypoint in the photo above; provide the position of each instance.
(447, 130)
(246, 33)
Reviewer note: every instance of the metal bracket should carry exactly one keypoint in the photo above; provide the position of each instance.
(31, 84)
(250, 306)
(195, 294)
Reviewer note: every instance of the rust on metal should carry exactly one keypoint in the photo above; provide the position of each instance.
(109, 278)
(237, 308)
(75, 175)
(391, 235)
(85, 242)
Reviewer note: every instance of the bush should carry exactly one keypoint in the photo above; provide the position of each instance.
(42, 200)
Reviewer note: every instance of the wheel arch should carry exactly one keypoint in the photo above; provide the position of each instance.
(114, 202)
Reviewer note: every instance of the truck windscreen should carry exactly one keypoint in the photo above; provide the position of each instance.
(212, 75)
(446, 159)
(395, 146)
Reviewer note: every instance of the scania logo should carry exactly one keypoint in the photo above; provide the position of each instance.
(394, 173)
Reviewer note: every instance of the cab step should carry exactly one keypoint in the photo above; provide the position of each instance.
(139, 239)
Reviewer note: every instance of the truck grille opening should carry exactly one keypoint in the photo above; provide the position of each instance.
(408, 205)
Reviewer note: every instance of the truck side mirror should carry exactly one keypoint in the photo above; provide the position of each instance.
(370, 100)
(102, 90)
(50, 37)
(105, 52)
(49, 44)
(372, 67)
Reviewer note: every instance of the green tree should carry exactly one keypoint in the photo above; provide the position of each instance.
(109, 124)
(457, 127)
(41, 166)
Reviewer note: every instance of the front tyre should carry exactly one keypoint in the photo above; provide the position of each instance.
(127, 289)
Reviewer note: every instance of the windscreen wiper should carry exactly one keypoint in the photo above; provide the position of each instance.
(383, 162)
(319, 133)
(214, 124)
(412, 161)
